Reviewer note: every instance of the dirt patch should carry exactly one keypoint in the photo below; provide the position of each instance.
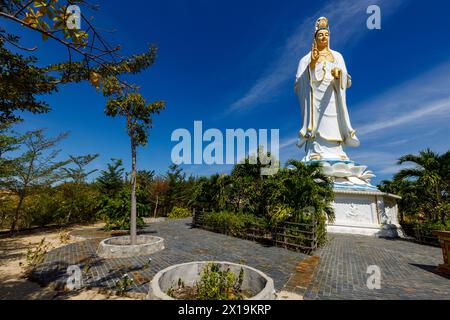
(96, 233)
(13, 251)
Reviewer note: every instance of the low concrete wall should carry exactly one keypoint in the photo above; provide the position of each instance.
(154, 220)
(120, 247)
(254, 280)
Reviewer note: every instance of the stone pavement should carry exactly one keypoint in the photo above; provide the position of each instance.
(407, 270)
(337, 271)
(183, 244)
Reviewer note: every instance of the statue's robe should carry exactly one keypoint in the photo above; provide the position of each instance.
(323, 104)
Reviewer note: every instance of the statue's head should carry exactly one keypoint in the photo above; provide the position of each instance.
(322, 34)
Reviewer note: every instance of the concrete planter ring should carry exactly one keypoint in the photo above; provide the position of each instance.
(254, 280)
(120, 247)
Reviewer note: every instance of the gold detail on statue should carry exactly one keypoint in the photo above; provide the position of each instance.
(336, 73)
(322, 23)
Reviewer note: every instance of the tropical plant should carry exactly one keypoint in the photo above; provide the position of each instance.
(431, 178)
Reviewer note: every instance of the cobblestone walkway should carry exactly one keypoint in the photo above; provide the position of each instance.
(338, 271)
(407, 270)
(183, 244)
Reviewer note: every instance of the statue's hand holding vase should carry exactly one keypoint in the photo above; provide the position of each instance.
(336, 73)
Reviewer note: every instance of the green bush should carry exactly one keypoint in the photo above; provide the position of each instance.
(64, 204)
(234, 223)
(116, 212)
(218, 284)
(179, 213)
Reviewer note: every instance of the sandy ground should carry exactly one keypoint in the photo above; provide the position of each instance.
(286, 295)
(13, 284)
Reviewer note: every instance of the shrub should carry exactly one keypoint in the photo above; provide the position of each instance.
(35, 256)
(116, 212)
(179, 213)
(123, 284)
(65, 204)
(234, 223)
(217, 284)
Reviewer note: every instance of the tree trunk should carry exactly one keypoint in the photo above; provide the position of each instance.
(133, 232)
(156, 206)
(17, 213)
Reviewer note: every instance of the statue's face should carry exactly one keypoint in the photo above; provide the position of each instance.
(322, 38)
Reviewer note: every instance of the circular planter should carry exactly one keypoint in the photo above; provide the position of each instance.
(120, 247)
(254, 280)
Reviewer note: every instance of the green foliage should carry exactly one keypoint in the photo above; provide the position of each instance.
(62, 205)
(218, 284)
(110, 181)
(116, 211)
(21, 83)
(35, 256)
(178, 188)
(123, 284)
(279, 213)
(179, 213)
(79, 173)
(424, 188)
(301, 187)
(35, 167)
(137, 112)
(234, 223)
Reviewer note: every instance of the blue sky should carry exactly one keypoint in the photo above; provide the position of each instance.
(232, 64)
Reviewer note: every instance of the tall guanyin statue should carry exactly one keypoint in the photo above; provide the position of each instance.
(321, 85)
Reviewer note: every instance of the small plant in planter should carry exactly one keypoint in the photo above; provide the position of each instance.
(214, 284)
(124, 284)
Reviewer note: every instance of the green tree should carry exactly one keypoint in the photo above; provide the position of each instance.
(79, 173)
(138, 115)
(247, 182)
(36, 167)
(212, 193)
(8, 143)
(77, 199)
(176, 180)
(99, 63)
(431, 175)
(301, 186)
(410, 197)
(110, 181)
(21, 82)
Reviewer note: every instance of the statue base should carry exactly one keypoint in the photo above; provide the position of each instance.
(365, 212)
(359, 207)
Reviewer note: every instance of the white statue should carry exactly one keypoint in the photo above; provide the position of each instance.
(321, 84)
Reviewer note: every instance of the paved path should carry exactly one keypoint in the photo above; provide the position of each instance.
(338, 271)
(407, 270)
(183, 244)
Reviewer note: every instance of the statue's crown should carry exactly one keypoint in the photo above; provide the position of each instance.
(321, 24)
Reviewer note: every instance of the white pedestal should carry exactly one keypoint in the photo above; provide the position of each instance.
(365, 212)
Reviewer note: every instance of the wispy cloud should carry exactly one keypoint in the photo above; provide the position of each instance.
(422, 100)
(288, 143)
(347, 17)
